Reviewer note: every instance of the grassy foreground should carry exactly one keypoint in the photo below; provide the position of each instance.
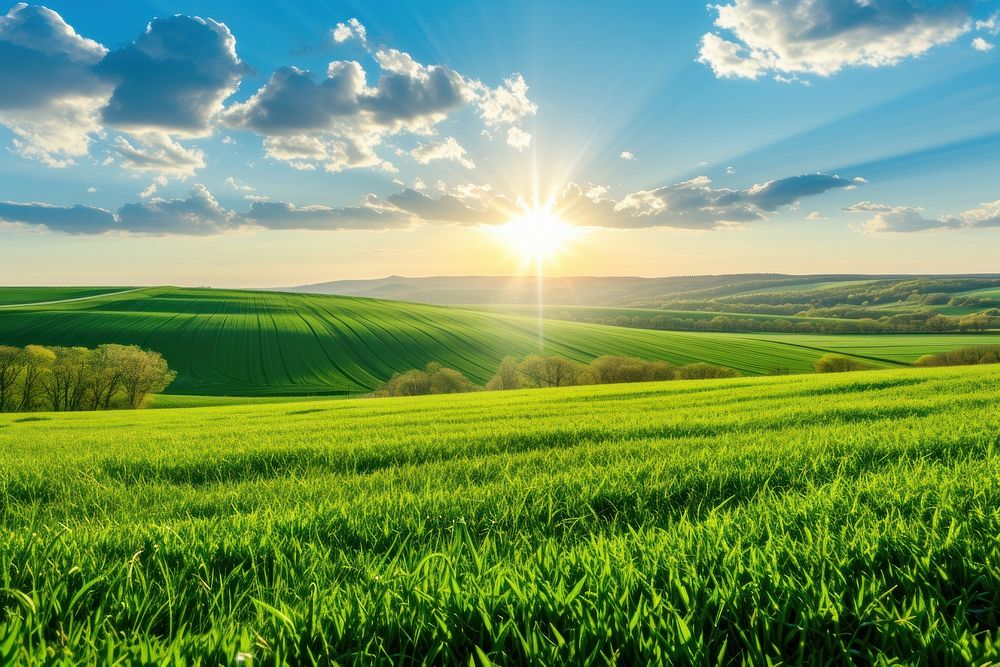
(850, 518)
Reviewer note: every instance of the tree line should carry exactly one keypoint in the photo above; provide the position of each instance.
(539, 371)
(66, 379)
(841, 320)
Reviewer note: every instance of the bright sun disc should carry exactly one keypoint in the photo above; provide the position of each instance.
(536, 235)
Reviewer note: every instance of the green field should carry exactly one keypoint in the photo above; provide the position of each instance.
(583, 313)
(267, 343)
(825, 519)
(21, 295)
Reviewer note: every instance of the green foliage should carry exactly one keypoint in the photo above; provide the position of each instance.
(69, 379)
(434, 379)
(966, 356)
(737, 522)
(838, 363)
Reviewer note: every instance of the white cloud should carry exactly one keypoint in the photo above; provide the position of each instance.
(50, 96)
(980, 44)
(352, 29)
(507, 104)
(821, 37)
(446, 149)
(91, 190)
(157, 153)
(627, 155)
(815, 216)
(730, 171)
(990, 25)
(904, 219)
(238, 185)
(518, 139)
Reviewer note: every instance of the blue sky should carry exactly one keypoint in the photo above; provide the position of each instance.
(143, 145)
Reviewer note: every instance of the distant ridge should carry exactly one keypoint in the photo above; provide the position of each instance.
(579, 290)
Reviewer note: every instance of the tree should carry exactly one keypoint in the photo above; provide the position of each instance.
(550, 371)
(37, 362)
(506, 377)
(145, 372)
(11, 366)
(66, 381)
(106, 370)
(610, 369)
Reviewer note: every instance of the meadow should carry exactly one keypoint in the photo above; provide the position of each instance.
(230, 342)
(821, 519)
(10, 296)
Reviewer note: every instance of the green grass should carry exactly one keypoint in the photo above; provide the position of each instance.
(162, 401)
(21, 295)
(849, 519)
(228, 342)
(581, 313)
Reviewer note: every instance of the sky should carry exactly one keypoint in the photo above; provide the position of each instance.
(264, 144)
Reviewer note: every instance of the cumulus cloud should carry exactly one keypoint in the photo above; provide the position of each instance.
(173, 78)
(338, 120)
(692, 204)
(198, 213)
(627, 155)
(518, 139)
(446, 149)
(76, 219)
(157, 153)
(50, 96)
(821, 37)
(352, 29)
(58, 90)
(980, 44)
(907, 219)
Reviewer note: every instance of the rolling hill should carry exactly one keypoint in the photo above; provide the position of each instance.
(253, 343)
(752, 288)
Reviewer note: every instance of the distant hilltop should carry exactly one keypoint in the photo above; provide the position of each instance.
(629, 290)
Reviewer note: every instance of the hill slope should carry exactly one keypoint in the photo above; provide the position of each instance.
(260, 343)
(791, 520)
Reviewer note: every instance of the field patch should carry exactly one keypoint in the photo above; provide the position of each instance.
(649, 523)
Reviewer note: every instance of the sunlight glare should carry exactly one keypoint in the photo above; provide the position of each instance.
(537, 235)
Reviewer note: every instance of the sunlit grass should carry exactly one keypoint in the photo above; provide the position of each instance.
(809, 518)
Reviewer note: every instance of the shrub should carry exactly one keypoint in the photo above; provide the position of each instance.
(702, 371)
(838, 363)
(434, 379)
(965, 356)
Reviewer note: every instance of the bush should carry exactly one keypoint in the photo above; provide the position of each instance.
(702, 371)
(434, 379)
(612, 370)
(965, 356)
(838, 363)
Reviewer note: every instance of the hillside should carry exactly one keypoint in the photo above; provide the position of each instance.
(760, 289)
(751, 521)
(260, 343)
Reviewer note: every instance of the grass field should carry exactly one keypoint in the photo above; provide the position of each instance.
(582, 313)
(21, 295)
(826, 519)
(259, 343)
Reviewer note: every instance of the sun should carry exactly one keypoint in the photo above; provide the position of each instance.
(538, 234)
